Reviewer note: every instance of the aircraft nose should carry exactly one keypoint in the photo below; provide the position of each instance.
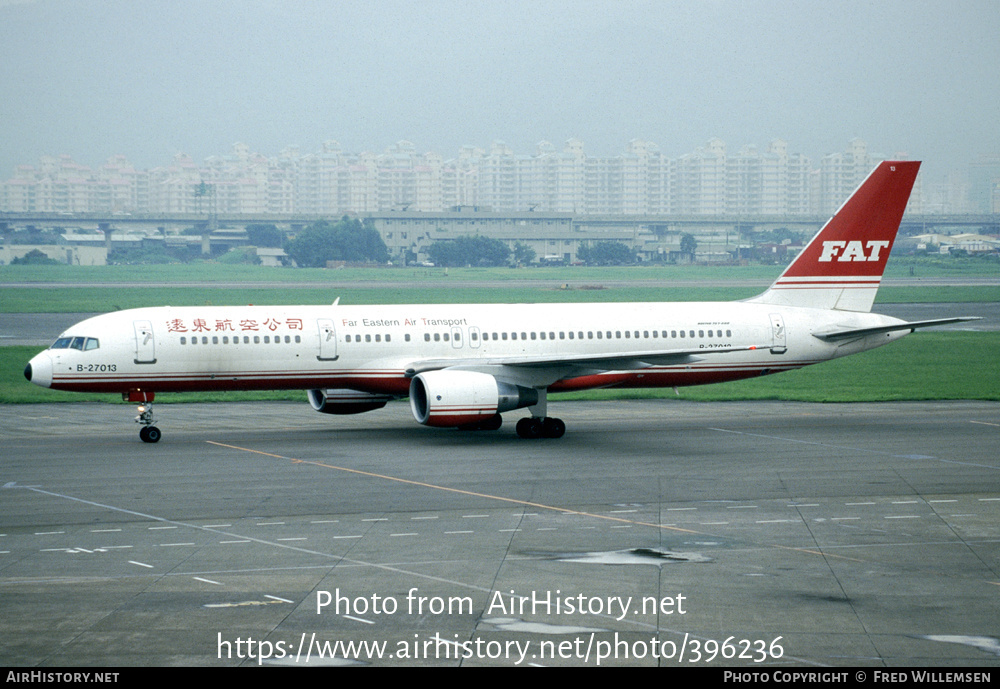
(39, 370)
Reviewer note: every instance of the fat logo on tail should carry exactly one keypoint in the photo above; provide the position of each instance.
(841, 268)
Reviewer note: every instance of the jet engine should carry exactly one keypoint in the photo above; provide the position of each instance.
(346, 401)
(464, 398)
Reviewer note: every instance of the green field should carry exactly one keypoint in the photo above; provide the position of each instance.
(49, 289)
(923, 366)
(105, 299)
(209, 271)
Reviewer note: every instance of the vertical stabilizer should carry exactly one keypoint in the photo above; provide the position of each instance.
(841, 268)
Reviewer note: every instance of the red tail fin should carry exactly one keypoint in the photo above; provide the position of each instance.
(842, 266)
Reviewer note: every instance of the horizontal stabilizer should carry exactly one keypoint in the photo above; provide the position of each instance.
(853, 333)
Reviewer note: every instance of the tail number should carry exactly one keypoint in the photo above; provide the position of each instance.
(852, 251)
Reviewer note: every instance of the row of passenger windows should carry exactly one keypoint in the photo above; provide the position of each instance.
(601, 335)
(551, 335)
(225, 339)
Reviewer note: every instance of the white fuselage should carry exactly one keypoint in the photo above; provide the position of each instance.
(372, 348)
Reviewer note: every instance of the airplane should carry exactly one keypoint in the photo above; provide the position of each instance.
(464, 365)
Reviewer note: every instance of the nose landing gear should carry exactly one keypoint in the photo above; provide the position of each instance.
(148, 433)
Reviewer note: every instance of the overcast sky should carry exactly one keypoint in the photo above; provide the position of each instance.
(149, 79)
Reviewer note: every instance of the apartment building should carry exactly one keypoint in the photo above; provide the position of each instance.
(639, 181)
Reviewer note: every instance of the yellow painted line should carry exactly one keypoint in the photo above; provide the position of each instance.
(553, 508)
(460, 491)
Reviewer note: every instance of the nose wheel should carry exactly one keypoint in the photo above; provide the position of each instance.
(148, 433)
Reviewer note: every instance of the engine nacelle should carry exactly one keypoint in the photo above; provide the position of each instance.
(346, 401)
(464, 398)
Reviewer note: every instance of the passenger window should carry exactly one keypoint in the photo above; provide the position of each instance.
(388, 337)
(215, 339)
(503, 336)
(682, 334)
(378, 338)
(225, 339)
(256, 339)
(437, 337)
(406, 337)
(184, 340)
(446, 337)
(204, 340)
(298, 339)
(427, 337)
(368, 338)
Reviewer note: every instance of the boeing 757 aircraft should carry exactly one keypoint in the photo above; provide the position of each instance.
(464, 365)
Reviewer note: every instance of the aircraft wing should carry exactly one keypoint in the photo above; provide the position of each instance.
(853, 333)
(621, 361)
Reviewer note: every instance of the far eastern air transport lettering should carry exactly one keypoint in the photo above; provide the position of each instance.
(465, 365)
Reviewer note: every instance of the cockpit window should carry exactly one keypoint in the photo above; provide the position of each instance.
(81, 343)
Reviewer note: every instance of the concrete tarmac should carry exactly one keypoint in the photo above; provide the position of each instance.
(666, 532)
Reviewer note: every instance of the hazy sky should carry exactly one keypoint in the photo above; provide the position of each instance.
(149, 79)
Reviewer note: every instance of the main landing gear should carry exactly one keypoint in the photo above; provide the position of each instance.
(540, 427)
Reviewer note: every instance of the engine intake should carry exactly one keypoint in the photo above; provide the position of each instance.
(462, 398)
